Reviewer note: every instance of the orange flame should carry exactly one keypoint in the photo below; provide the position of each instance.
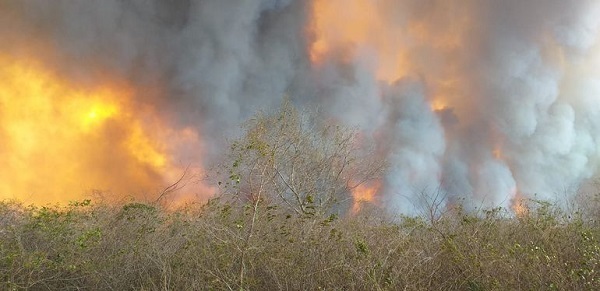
(519, 205)
(60, 139)
(364, 193)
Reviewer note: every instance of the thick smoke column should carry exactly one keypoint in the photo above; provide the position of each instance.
(205, 66)
(513, 85)
(485, 101)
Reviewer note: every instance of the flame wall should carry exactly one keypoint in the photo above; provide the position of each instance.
(486, 101)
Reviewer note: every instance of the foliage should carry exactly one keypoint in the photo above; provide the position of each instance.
(280, 224)
(141, 246)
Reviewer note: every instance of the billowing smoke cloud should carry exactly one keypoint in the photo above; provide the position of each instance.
(205, 65)
(484, 101)
(219, 61)
(506, 79)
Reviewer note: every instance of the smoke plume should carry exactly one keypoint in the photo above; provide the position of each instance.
(484, 101)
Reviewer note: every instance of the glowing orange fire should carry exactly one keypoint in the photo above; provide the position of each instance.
(61, 139)
(519, 205)
(364, 193)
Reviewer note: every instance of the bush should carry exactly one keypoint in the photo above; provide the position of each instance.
(280, 223)
(296, 161)
(141, 246)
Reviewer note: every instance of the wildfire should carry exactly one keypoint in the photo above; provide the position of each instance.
(61, 139)
(390, 43)
(364, 193)
(519, 205)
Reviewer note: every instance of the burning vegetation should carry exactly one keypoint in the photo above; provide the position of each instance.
(418, 145)
(480, 99)
(62, 139)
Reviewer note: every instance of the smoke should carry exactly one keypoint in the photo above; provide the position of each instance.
(484, 101)
(505, 79)
(201, 65)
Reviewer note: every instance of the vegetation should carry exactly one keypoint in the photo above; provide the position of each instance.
(281, 222)
(142, 247)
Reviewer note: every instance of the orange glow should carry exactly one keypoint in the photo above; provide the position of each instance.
(395, 45)
(445, 90)
(497, 153)
(353, 25)
(438, 105)
(364, 193)
(371, 28)
(519, 205)
(61, 139)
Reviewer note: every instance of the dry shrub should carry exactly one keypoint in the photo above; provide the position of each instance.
(280, 223)
(141, 246)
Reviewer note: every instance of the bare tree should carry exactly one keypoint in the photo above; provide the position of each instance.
(299, 161)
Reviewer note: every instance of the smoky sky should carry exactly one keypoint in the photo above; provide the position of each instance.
(520, 80)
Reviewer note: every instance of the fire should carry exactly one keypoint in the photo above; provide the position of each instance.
(364, 193)
(61, 139)
(97, 114)
(392, 44)
(519, 205)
